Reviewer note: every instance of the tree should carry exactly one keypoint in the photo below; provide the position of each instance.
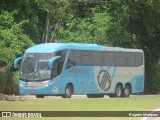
(145, 24)
(87, 30)
(135, 24)
(27, 10)
(12, 43)
(55, 14)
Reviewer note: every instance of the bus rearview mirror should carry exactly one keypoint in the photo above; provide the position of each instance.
(51, 61)
(16, 62)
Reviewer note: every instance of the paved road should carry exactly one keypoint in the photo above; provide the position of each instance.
(84, 96)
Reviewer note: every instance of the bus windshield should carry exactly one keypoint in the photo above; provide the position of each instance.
(35, 66)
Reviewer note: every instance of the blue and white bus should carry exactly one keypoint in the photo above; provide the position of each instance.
(63, 69)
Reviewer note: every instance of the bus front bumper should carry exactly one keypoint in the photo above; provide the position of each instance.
(34, 88)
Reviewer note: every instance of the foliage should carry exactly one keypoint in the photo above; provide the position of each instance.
(12, 43)
(130, 24)
(3, 77)
(135, 24)
(56, 12)
(26, 10)
(12, 83)
(86, 30)
(144, 23)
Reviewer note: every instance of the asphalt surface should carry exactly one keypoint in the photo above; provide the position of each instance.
(84, 96)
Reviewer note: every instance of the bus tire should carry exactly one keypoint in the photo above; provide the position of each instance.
(95, 96)
(126, 91)
(68, 92)
(40, 96)
(119, 91)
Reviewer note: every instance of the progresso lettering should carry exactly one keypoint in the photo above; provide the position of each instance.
(80, 70)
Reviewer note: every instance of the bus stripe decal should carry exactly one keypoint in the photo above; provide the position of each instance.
(114, 72)
(108, 68)
(103, 82)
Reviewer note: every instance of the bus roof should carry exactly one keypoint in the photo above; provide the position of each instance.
(53, 47)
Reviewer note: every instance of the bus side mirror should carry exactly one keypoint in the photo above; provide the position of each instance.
(16, 61)
(51, 61)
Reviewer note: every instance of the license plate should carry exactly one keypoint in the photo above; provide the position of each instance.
(32, 91)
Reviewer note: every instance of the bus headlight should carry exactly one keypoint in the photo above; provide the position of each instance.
(37, 84)
(43, 84)
(21, 85)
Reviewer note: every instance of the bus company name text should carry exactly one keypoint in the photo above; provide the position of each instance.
(79, 70)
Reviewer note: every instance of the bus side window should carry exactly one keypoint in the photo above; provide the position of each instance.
(58, 64)
(131, 59)
(139, 59)
(70, 61)
(57, 67)
(85, 58)
(109, 58)
(120, 59)
(98, 58)
(73, 59)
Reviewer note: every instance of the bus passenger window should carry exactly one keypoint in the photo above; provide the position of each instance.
(57, 67)
(85, 58)
(109, 58)
(70, 63)
(131, 59)
(120, 59)
(139, 59)
(73, 59)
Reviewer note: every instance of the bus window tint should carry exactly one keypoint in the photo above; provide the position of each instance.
(74, 58)
(131, 59)
(85, 58)
(62, 53)
(98, 58)
(109, 58)
(139, 59)
(104, 58)
(120, 59)
(58, 64)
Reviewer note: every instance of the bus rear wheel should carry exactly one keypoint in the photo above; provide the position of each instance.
(40, 96)
(68, 92)
(126, 91)
(119, 91)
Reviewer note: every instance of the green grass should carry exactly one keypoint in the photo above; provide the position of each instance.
(129, 104)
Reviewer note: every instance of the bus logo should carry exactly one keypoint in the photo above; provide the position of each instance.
(104, 80)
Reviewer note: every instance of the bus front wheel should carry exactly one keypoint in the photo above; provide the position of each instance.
(40, 96)
(68, 92)
(119, 91)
